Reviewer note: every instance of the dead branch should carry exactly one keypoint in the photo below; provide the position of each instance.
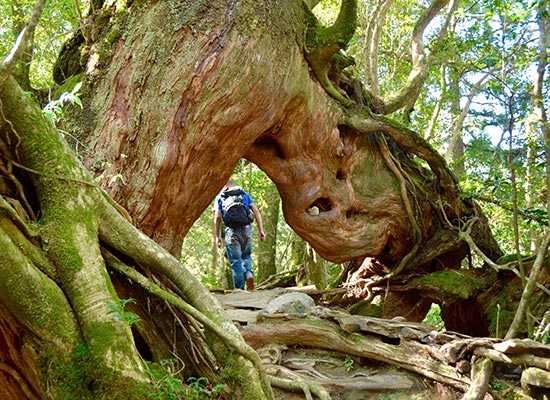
(327, 337)
(482, 371)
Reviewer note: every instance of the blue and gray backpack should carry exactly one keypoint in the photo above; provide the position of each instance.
(235, 211)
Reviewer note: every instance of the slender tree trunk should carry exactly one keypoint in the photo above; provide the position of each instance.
(266, 250)
(312, 269)
(540, 112)
(317, 270)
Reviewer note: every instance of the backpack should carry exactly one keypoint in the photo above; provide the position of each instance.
(235, 212)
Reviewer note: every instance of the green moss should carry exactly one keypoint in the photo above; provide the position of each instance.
(368, 309)
(67, 86)
(456, 283)
(113, 35)
(80, 376)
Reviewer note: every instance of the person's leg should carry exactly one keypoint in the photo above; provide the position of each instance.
(246, 257)
(233, 248)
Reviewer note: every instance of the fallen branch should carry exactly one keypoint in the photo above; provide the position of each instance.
(482, 371)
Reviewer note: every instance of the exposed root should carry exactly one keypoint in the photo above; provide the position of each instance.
(392, 163)
(298, 384)
(232, 342)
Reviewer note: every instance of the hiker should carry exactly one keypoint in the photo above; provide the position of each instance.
(237, 209)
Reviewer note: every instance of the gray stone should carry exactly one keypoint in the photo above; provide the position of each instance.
(291, 303)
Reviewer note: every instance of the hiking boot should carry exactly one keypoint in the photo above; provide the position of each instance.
(250, 283)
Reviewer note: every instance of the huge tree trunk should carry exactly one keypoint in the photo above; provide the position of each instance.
(287, 124)
(197, 88)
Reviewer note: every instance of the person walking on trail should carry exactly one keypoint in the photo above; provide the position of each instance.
(237, 210)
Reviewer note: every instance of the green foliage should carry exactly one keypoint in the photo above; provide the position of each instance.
(433, 318)
(202, 388)
(119, 311)
(197, 250)
(496, 385)
(58, 21)
(169, 386)
(348, 363)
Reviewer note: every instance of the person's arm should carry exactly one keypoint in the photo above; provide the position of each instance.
(218, 226)
(259, 221)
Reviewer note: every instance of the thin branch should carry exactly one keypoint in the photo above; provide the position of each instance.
(464, 235)
(458, 123)
(544, 326)
(372, 44)
(24, 36)
(410, 91)
(501, 204)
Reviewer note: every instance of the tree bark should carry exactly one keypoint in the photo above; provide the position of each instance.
(78, 301)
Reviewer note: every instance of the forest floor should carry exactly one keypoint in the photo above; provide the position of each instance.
(364, 358)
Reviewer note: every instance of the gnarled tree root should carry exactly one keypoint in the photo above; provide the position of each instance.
(300, 385)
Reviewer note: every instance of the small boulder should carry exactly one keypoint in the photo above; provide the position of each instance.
(291, 303)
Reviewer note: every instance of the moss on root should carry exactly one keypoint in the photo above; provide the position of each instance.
(454, 283)
(79, 375)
